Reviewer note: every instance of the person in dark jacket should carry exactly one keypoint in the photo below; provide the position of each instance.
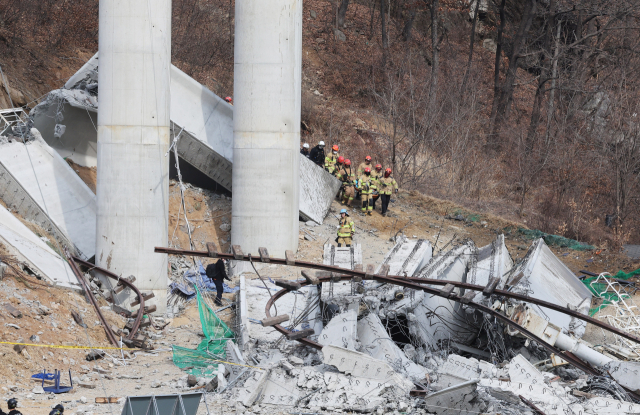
(217, 273)
(57, 410)
(12, 404)
(317, 154)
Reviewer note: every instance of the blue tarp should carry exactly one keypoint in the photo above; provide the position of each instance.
(199, 278)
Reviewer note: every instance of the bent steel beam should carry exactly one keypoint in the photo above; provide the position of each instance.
(418, 282)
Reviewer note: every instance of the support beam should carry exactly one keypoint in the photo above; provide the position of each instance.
(133, 138)
(266, 125)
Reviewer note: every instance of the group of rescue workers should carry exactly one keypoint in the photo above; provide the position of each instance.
(368, 182)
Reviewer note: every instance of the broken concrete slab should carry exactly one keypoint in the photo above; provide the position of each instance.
(407, 256)
(318, 188)
(433, 316)
(32, 250)
(364, 366)
(279, 389)
(341, 331)
(627, 374)
(458, 399)
(377, 343)
(202, 121)
(521, 370)
(543, 276)
(458, 369)
(41, 177)
(493, 260)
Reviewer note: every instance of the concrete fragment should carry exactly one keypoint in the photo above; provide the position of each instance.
(360, 365)
(459, 399)
(407, 256)
(340, 331)
(521, 370)
(45, 189)
(377, 343)
(543, 276)
(28, 247)
(280, 389)
(435, 315)
(627, 374)
(234, 356)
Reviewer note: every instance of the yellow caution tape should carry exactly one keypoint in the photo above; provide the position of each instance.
(118, 348)
(69, 347)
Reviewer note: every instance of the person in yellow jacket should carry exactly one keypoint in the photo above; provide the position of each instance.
(366, 163)
(375, 176)
(348, 183)
(332, 159)
(386, 185)
(366, 186)
(346, 229)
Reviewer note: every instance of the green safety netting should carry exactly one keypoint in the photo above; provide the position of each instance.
(556, 240)
(608, 298)
(470, 217)
(203, 360)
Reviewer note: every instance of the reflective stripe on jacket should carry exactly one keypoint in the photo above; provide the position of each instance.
(386, 185)
(346, 227)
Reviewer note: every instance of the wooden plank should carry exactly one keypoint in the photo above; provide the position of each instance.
(290, 257)
(111, 399)
(310, 278)
(13, 311)
(237, 252)
(272, 321)
(212, 250)
(468, 297)
(288, 285)
(264, 254)
(146, 296)
(300, 334)
(448, 289)
(147, 310)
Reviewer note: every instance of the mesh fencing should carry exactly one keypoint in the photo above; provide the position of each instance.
(556, 240)
(608, 298)
(203, 360)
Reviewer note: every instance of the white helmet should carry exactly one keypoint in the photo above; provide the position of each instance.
(321, 143)
(305, 145)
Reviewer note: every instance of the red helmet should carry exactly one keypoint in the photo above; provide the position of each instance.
(347, 162)
(340, 159)
(378, 167)
(228, 99)
(368, 158)
(388, 171)
(367, 170)
(335, 147)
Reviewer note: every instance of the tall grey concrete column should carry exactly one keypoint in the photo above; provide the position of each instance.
(133, 137)
(266, 125)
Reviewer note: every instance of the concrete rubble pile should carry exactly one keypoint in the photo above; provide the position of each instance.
(384, 349)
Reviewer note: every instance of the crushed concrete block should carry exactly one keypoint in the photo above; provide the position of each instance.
(521, 370)
(234, 356)
(459, 399)
(435, 315)
(340, 331)
(44, 186)
(360, 365)
(28, 247)
(543, 276)
(376, 343)
(253, 387)
(280, 389)
(457, 369)
(407, 256)
(295, 360)
(627, 374)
